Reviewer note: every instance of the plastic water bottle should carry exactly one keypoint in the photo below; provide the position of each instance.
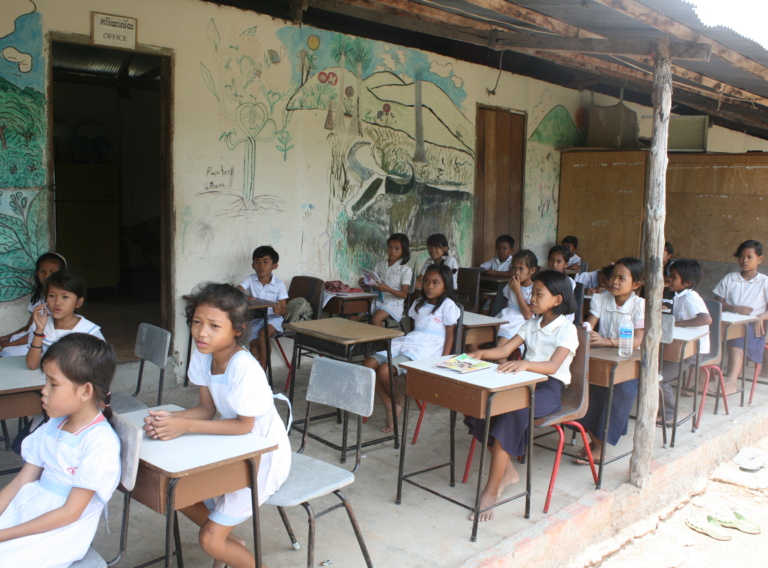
(626, 336)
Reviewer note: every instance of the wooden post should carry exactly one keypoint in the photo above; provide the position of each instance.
(653, 237)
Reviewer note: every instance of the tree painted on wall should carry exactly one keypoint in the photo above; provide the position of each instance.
(23, 238)
(245, 95)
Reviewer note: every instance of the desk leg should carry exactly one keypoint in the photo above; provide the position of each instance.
(344, 437)
(677, 397)
(189, 355)
(605, 428)
(744, 364)
(453, 448)
(529, 461)
(294, 357)
(695, 391)
(253, 469)
(483, 451)
(401, 471)
(268, 347)
(170, 517)
(392, 393)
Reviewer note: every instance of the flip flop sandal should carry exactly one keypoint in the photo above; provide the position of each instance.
(749, 459)
(734, 520)
(707, 525)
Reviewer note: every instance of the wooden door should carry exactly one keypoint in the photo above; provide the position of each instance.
(499, 159)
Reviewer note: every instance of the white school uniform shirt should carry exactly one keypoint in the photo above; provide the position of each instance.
(428, 336)
(575, 259)
(243, 390)
(89, 459)
(589, 279)
(542, 342)
(52, 335)
(687, 305)
(395, 276)
(739, 292)
(273, 292)
(603, 306)
(512, 314)
(497, 265)
(450, 262)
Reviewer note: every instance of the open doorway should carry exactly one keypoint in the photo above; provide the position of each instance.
(112, 198)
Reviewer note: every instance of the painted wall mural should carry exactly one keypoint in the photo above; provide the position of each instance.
(23, 208)
(399, 146)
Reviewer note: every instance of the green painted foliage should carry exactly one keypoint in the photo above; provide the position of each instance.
(22, 136)
(23, 238)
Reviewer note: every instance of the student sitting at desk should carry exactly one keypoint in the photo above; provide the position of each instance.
(558, 258)
(264, 285)
(437, 247)
(689, 310)
(435, 317)
(232, 383)
(550, 342)
(745, 293)
(518, 293)
(608, 309)
(572, 243)
(64, 294)
(50, 511)
(501, 264)
(595, 281)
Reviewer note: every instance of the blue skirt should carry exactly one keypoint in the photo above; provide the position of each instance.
(624, 395)
(755, 345)
(511, 428)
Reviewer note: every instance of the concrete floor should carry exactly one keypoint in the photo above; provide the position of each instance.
(424, 531)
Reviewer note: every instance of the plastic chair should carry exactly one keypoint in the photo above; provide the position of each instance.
(390, 322)
(578, 316)
(130, 443)
(468, 288)
(499, 301)
(584, 266)
(311, 289)
(710, 362)
(152, 344)
(575, 401)
(350, 388)
(422, 404)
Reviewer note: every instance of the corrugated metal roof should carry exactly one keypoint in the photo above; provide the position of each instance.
(100, 61)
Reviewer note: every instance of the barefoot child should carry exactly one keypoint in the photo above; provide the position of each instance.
(232, 383)
(550, 342)
(745, 293)
(608, 309)
(16, 343)
(50, 511)
(435, 316)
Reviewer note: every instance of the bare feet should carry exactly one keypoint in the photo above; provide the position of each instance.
(582, 456)
(238, 540)
(389, 425)
(486, 500)
(510, 477)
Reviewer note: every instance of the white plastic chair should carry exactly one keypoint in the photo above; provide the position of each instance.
(347, 387)
(152, 344)
(130, 444)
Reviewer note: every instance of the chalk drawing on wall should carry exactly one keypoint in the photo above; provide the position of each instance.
(244, 76)
(23, 207)
(401, 151)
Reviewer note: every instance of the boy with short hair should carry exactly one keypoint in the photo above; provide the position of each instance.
(501, 264)
(265, 286)
(572, 243)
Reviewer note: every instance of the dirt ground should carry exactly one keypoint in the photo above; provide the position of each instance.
(674, 545)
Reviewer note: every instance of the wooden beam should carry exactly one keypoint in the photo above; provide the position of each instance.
(297, 9)
(532, 17)
(619, 47)
(653, 237)
(642, 13)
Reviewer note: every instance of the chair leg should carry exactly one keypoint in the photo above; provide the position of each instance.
(722, 390)
(6, 437)
(587, 447)
(704, 391)
(294, 543)
(469, 460)
(356, 528)
(758, 366)
(556, 466)
(422, 408)
(123, 530)
(663, 418)
(311, 521)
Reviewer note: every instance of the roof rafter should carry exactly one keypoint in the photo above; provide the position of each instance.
(691, 51)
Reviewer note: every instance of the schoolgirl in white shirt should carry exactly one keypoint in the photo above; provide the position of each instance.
(550, 342)
(15, 344)
(395, 275)
(50, 511)
(745, 293)
(437, 248)
(232, 383)
(435, 317)
(518, 293)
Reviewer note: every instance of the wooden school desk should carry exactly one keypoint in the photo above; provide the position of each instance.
(341, 339)
(193, 467)
(348, 303)
(260, 308)
(478, 329)
(607, 369)
(734, 326)
(685, 343)
(481, 394)
(19, 392)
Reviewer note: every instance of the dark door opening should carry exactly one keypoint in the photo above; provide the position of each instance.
(111, 183)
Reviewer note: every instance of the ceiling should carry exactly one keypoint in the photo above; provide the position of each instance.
(599, 45)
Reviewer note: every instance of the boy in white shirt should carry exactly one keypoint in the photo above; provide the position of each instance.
(572, 243)
(690, 311)
(501, 264)
(265, 286)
